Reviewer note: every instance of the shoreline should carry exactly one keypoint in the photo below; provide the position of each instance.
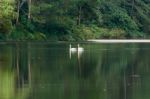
(119, 40)
(90, 40)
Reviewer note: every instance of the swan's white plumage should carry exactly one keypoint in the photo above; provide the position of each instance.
(72, 49)
(80, 49)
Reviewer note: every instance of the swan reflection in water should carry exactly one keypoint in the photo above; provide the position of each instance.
(79, 50)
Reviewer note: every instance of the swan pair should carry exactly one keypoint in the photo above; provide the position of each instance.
(79, 49)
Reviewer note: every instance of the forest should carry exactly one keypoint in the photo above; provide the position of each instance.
(74, 20)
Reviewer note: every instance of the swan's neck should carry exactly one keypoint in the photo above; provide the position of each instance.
(70, 46)
(78, 46)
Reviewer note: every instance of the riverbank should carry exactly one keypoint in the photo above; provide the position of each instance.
(120, 40)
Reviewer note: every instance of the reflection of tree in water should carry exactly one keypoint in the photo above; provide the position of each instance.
(103, 72)
(22, 64)
(114, 63)
(122, 68)
(12, 85)
(136, 73)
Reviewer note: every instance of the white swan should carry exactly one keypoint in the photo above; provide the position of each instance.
(72, 49)
(80, 49)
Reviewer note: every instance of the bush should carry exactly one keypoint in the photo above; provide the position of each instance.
(104, 33)
(21, 34)
(39, 36)
(66, 38)
(83, 33)
(136, 34)
(5, 28)
(95, 32)
(117, 34)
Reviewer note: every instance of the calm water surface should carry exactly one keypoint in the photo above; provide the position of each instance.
(50, 71)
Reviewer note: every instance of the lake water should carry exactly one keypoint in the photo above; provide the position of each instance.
(51, 71)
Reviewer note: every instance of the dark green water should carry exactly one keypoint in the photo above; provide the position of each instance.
(47, 71)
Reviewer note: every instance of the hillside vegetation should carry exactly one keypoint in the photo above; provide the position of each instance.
(74, 20)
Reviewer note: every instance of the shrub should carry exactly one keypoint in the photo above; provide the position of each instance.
(39, 36)
(5, 28)
(83, 33)
(21, 34)
(117, 34)
(104, 33)
(66, 38)
(95, 32)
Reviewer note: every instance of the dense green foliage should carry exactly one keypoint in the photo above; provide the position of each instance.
(74, 19)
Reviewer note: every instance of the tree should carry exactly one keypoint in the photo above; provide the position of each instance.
(61, 18)
(7, 8)
(18, 11)
(6, 15)
(29, 9)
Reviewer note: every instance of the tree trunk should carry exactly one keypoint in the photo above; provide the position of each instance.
(18, 11)
(17, 64)
(29, 66)
(79, 16)
(29, 9)
(132, 8)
